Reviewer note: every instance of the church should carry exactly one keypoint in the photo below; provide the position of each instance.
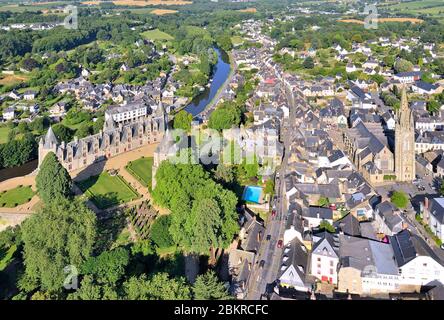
(114, 139)
(404, 142)
(369, 147)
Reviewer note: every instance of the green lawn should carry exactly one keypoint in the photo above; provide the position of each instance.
(14, 197)
(106, 190)
(4, 134)
(236, 40)
(141, 170)
(6, 256)
(156, 34)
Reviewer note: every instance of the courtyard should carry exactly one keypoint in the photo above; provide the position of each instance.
(141, 169)
(106, 190)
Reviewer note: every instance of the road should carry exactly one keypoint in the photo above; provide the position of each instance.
(262, 278)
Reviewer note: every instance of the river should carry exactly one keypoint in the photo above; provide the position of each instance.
(221, 71)
(23, 170)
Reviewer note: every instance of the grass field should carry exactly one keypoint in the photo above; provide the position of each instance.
(10, 79)
(156, 34)
(142, 3)
(412, 20)
(32, 7)
(106, 190)
(161, 12)
(434, 8)
(4, 134)
(14, 197)
(236, 40)
(141, 170)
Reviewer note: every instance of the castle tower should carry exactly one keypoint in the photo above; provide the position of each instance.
(404, 142)
(47, 144)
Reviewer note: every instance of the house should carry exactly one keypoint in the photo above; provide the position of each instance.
(14, 95)
(58, 109)
(366, 266)
(29, 95)
(434, 216)
(422, 87)
(418, 265)
(292, 273)
(388, 219)
(324, 257)
(313, 216)
(389, 120)
(9, 114)
(124, 68)
(350, 67)
(408, 77)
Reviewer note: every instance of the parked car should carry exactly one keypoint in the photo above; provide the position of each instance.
(442, 246)
(280, 244)
(268, 237)
(273, 212)
(261, 264)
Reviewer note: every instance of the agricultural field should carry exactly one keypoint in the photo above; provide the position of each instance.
(106, 191)
(41, 6)
(15, 197)
(161, 12)
(141, 3)
(11, 79)
(156, 34)
(434, 8)
(412, 20)
(141, 170)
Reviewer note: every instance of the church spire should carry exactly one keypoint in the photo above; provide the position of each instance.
(50, 139)
(404, 102)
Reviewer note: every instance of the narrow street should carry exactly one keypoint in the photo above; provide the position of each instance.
(275, 226)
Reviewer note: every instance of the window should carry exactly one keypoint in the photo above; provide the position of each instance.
(319, 259)
(331, 271)
(331, 263)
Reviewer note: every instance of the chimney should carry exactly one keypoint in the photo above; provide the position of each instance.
(249, 266)
(426, 203)
(317, 215)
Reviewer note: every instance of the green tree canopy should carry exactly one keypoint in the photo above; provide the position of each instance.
(182, 120)
(158, 287)
(159, 232)
(208, 287)
(52, 180)
(399, 199)
(59, 235)
(108, 267)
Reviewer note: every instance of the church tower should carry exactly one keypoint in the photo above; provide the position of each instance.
(404, 142)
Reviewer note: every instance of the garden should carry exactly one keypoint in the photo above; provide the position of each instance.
(106, 190)
(141, 169)
(15, 197)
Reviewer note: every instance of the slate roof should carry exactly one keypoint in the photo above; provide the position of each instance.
(437, 208)
(348, 225)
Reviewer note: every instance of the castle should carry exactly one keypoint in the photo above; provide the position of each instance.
(114, 139)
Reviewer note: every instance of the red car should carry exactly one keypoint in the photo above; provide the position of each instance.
(279, 244)
(273, 212)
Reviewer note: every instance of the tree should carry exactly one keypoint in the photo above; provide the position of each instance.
(108, 267)
(60, 234)
(325, 225)
(399, 199)
(402, 65)
(62, 132)
(224, 173)
(323, 202)
(208, 287)
(52, 180)
(182, 120)
(89, 290)
(224, 117)
(158, 287)
(159, 232)
(308, 63)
